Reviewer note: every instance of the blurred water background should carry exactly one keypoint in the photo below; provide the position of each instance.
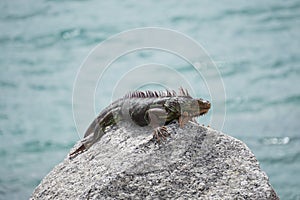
(255, 45)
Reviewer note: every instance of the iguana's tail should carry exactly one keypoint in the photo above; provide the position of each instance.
(88, 141)
(77, 151)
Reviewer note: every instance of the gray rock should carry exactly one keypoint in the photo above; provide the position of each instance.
(194, 162)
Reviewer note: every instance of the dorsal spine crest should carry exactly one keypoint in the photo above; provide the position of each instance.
(157, 94)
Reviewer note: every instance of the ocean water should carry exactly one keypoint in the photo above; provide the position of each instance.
(254, 44)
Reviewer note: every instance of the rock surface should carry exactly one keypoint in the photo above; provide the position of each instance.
(193, 163)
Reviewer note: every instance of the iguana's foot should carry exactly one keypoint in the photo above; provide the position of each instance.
(160, 133)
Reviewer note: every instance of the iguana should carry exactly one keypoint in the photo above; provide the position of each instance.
(145, 108)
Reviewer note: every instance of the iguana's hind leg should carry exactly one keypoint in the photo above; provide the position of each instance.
(157, 117)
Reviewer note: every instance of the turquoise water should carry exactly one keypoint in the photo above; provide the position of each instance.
(255, 45)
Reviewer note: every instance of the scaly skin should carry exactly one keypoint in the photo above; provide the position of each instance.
(155, 109)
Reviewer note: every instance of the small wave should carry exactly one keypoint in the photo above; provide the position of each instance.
(38, 72)
(7, 84)
(272, 28)
(287, 159)
(275, 141)
(43, 87)
(3, 117)
(182, 18)
(70, 33)
(253, 104)
(280, 18)
(39, 41)
(38, 146)
(46, 40)
(4, 39)
(294, 99)
(3, 153)
(286, 7)
(278, 74)
(245, 104)
(291, 59)
(20, 16)
(245, 11)
(254, 11)
(233, 68)
(43, 41)
(286, 143)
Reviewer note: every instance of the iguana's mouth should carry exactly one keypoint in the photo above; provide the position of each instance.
(204, 106)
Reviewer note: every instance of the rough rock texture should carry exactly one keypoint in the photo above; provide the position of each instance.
(194, 163)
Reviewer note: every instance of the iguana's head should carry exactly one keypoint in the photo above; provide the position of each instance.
(194, 107)
(187, 106)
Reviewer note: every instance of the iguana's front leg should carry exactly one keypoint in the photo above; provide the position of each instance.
(157, 117)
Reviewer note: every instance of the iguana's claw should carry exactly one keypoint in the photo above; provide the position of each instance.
(160, 133)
